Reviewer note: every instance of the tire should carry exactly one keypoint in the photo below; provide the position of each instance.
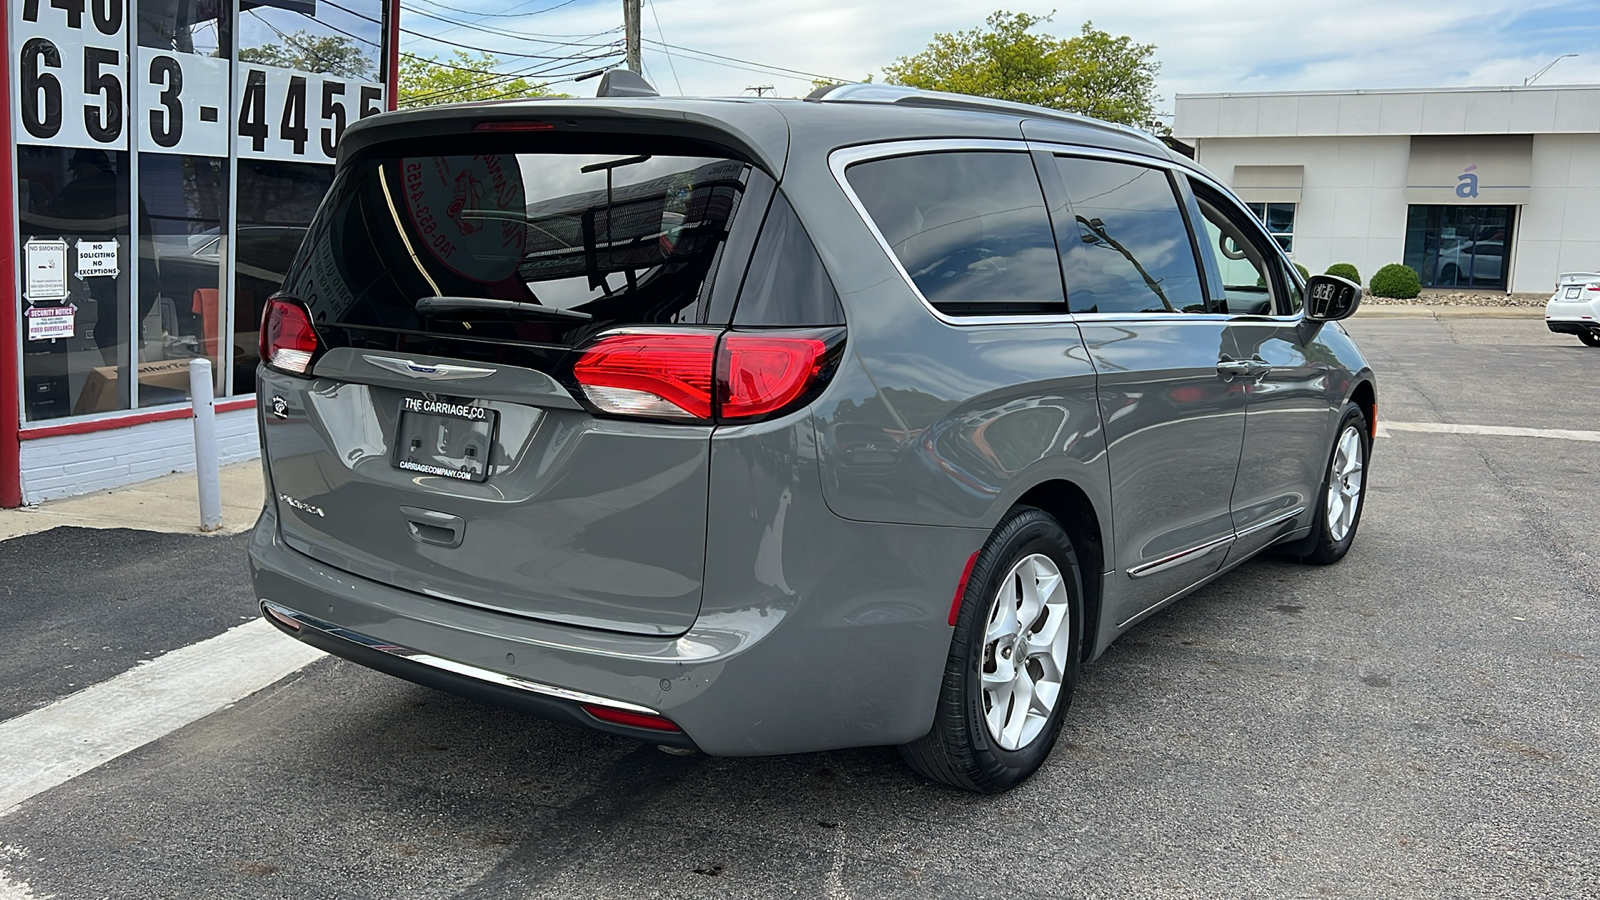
(1450, 276)
(1336, 527)
(1591, 338)
(976, 744)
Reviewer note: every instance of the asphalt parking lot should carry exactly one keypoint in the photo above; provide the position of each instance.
(1418, 721)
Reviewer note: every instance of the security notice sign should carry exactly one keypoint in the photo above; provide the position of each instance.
(46, 323)
(70, 68)
(46, 276)
(98, 258)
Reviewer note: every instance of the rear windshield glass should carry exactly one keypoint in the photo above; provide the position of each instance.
(469, 255)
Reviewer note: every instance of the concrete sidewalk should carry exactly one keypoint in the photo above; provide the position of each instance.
(169, 504)
(1425, 311)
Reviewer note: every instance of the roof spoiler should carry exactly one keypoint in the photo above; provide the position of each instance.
(623, 83)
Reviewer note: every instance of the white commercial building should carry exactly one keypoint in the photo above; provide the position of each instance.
(1489, 189)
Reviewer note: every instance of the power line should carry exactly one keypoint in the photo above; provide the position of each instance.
(670, 64)
(459, 44)
(508, 14)
(497, 32)
(746, 62)
(503, 78)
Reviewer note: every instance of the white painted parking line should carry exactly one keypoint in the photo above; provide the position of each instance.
(51, 745)
(1500, 430)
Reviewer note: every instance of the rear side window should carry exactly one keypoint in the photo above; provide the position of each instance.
(517, 257)
(1132, 252)
(969, 227)
(787, 284)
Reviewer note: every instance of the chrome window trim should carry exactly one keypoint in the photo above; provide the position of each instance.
(488, 676)
(841, 159)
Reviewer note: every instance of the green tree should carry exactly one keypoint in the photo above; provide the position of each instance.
(1095, 73)
(331, 54)
(463, 78)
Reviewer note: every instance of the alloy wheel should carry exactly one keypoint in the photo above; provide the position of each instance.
(1025, 646)
(1344, 484)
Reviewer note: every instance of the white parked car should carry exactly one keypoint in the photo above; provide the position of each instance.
(1575, 307)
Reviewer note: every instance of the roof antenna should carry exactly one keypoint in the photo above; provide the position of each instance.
(623, 83)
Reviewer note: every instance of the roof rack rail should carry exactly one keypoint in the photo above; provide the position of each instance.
(907, 96)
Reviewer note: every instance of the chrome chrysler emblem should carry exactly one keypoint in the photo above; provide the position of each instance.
(429, 371)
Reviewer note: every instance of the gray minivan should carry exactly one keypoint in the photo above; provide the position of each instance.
(756, 426)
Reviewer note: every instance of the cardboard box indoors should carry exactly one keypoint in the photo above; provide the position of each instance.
(100, 389)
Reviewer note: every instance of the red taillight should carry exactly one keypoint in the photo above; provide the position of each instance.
(657, 373)
(670, 374)
(632, 719)
(758, 374)
(1593, 287)
(528, 125)
(288, 341)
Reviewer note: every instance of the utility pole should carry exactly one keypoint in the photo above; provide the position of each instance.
(630, 32)
(761, 89)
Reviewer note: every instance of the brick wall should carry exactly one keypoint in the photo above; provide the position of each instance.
(71, 464)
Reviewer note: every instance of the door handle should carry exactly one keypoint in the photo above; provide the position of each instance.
(1249, 368)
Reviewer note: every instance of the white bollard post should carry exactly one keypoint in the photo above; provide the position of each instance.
(205, 444)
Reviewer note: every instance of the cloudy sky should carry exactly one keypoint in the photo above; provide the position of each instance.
(1202, 45)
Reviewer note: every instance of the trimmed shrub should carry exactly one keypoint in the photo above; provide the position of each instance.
(1304, 275)
(1396, 281)
(1345, 270)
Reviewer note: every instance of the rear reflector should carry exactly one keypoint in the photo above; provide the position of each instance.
(288, 342)
(961, 586)
(659, 374)
(631, 719)
(759, 374)
(282, 619)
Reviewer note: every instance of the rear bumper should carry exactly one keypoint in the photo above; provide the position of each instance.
(756, 675)
(1572, 326)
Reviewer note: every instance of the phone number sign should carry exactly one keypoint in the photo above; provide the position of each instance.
(296, 116)
(71, 72)
(75, 78)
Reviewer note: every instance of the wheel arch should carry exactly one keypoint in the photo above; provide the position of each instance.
(1365, 395)
(1070, 506)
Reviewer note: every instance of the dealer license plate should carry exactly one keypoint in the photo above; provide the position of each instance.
(442, 437)
(1572, 292)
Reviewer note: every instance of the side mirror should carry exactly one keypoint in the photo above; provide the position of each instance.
(1331, 298)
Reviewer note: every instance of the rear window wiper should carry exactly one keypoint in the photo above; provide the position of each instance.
(433, 306)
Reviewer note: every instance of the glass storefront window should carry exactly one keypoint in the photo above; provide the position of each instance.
(276, 201)
(73, 219)
(186, 199)
(1279, 219)
(323, 38)
(1460, 246)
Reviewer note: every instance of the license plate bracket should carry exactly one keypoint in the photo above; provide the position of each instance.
(445, 438)
(1572, 292)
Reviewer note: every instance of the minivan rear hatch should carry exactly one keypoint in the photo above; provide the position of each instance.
(441, 443)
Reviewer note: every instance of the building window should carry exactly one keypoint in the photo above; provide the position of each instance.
(1279, 219)
(1460, 246)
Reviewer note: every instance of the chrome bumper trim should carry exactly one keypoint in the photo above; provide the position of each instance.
(487, 676)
